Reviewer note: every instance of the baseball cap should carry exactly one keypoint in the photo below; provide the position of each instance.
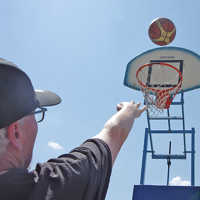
(17, 95)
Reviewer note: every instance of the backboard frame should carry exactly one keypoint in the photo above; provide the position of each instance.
(173, 54)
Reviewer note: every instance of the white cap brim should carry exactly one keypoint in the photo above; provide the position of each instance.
(47, 98)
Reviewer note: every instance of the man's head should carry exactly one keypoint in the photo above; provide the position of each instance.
(18, 142)
(18, 102)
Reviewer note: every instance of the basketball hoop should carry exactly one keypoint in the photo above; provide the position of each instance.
(158, 96)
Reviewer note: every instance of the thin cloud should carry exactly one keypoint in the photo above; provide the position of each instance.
(177, 181)
(55, 145)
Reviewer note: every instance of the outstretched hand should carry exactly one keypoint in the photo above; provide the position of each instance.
(123, 120)
(131, 107)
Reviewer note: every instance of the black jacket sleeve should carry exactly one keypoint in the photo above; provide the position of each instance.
(83, 174)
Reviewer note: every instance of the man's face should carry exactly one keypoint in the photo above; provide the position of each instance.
(29, 130)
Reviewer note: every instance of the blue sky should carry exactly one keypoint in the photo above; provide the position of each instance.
(80, 49)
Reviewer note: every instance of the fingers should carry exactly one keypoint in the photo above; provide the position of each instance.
(138, 105)
(118, 107)
(131, 103)
(122, 105)
(131, 108)
(143, 109)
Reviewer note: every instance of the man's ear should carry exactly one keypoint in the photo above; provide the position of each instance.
(14, 135)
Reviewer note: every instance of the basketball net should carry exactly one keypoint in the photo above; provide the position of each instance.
(158, 96)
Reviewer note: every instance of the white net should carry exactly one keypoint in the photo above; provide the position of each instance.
(159, 83)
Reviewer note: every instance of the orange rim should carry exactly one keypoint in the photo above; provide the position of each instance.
(164, 65)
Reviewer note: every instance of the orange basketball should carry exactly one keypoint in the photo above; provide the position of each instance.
(162, 31)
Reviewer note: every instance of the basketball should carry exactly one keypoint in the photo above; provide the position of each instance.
(162, 31)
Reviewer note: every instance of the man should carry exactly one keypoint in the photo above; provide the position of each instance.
(82, 174)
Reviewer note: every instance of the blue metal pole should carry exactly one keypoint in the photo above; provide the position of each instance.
(144, 157)
(193, 158)
(149, 129)
(168, 163)
(172, 131)
(169, 124)
(184, 139)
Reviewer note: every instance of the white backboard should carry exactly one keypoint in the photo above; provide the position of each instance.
(184, 60)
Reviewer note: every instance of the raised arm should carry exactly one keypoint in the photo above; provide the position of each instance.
(117, 128)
